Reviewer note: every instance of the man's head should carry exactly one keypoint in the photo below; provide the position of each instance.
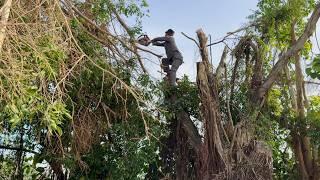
(169, 32)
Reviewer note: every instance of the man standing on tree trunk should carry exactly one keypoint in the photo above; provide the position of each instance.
(174, 57)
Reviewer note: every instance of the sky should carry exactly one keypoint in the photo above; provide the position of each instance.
(213, 16)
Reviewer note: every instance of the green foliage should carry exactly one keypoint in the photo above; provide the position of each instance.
(53, 95)
(274, 102)
(7, 166)
(106, 117)
(54, 115)
(124, 149)
(276, 18)
(188, 98)
(48, 57)
(270, 127)
(314, 70)
(125, 153)
(28, 98)
(133, 8)
(313, 117)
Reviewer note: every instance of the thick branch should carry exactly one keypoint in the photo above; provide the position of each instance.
(121, 21)
(284, 58)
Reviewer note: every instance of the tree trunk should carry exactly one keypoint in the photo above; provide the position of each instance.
(302, 145)
(5, 12)
(241, 157)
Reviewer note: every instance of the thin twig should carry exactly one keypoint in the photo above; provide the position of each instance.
(231, 33)
(191, 39)
(108, 34)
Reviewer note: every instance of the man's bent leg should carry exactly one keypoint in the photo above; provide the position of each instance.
(173, 71)
(165, 64)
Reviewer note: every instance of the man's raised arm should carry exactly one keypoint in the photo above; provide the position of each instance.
(156, 43)
(166, 39)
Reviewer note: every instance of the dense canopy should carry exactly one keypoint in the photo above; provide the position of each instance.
(77, 100)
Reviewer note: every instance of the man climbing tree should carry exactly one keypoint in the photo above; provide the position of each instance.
(174, 57)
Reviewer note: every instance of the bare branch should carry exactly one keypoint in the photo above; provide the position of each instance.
(232, 33)
(192, 39)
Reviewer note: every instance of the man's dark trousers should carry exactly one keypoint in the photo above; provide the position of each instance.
(175, 63)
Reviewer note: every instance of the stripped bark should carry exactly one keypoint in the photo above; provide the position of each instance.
(5, 12)
(214, 161)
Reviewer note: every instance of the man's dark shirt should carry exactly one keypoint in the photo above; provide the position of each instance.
(170, 46)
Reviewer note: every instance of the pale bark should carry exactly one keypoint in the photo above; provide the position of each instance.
(5, 12)
(222, 64)
(305, 141)
(291, 89)
(212, 156)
